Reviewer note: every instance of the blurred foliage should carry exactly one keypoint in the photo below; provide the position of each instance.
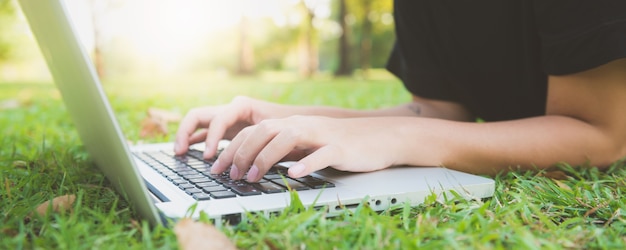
(7, 19)
(312, 41)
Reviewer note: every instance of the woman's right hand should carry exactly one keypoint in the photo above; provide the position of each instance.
(212, 124)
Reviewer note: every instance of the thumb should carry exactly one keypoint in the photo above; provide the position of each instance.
(320, 159)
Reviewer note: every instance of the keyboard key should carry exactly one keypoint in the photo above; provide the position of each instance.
(195, 154)
(293, 184)
(222, 194)
(169, 173)
(308, 178)
(179, 181)
(181, 158)
(222, 176)
(193, 190)
(214, 189)
(272, 176)
(194, 162)
(320, 185)
(315, 183)
(186, 186)
(245, 190)
(234, 183)
(207, 184)
(169, 153)
(280, 169)
(192, 176)
(173, 177)
(187, 172)
(269, 187)
(199, 180)
(201, 196)
(178, 166)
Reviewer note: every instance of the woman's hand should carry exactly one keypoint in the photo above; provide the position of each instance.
(211, 124)
(355, 144)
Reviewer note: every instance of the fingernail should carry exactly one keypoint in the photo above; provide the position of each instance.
(234, 172)
(176, 148)
(253, 173)
(296, 169)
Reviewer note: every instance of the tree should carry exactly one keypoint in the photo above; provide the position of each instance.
(366, 37)
(245, 62)
(309, 62)
(367, 33)
(99, 9)
(344, 43)
(7, 17)
(98, 58)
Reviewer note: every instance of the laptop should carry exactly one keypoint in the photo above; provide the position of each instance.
(161, 186)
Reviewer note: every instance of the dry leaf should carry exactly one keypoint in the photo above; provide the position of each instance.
(164, 115)
(20, 164)
(9, 104)
(7, 186)
(555, 175)
(198, 235)
(9, 232)
(151, 127)
(156, 123)
(562, 185)
(59, 204)
(26, 97)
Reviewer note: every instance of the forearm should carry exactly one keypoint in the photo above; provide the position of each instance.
(488, 148)
(417, 108)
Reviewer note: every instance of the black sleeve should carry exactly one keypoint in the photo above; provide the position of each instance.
(578, 35)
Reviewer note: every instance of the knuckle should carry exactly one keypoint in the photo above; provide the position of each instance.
(244, 132)
(240, 158)
(262, 161)
(240, 99)
(267, 127)
(298, 118)
(194, 112)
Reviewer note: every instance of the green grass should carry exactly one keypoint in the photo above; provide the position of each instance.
(42, 158)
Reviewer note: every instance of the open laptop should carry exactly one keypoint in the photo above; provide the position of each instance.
(158, 192)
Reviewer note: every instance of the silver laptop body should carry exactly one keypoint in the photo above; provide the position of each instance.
(156, 198)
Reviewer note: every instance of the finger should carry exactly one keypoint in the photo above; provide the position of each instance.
(319, 159)
(231, 115)
(257, 139)
(188, 125)
(215, 132)
(225, 159)
(198, 136)
(275, 150)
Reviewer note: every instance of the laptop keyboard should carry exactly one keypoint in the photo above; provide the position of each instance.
(191, 173)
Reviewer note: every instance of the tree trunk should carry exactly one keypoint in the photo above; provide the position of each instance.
(344, 44)
(366, 39)
(98, 58)
(245, 63)
(309, 61)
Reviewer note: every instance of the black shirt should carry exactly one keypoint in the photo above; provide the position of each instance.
(494, 56)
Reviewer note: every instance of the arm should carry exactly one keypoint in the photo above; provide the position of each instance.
(584, 123)
(224, 122)
(420, 107)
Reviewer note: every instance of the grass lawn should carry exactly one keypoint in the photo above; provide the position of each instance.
(42, 158)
